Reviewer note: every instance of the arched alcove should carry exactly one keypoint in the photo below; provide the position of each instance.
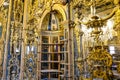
(52, 43)
(52, 20)
(61, 14)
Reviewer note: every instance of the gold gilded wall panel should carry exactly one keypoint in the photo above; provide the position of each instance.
(3, 20)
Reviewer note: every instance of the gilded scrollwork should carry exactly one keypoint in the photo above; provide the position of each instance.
(31, 36)
(115, 13)
(116, 17)
(47, 5)
(77, 31)
(1, 2)
(15, 39)
(98, 60)
(3, 19)
(118, 68)
(30, 66)
(101, 61)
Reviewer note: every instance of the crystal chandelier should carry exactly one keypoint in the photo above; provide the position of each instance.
(97, 30)
(96, 34)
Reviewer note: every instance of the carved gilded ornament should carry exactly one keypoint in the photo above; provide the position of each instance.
(1, 2)
(30, 65)
(77, 35)
(101, 61)
(48, 5)
(117, 18)
(118, 68)
(2, 31)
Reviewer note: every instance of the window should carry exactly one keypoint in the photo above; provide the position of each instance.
(112, 50)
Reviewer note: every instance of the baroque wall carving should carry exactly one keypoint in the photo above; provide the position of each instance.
(3, 15)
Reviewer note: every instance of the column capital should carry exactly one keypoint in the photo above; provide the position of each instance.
(81, 33)
(72, 24)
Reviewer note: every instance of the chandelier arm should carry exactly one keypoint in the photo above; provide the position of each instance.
(81, 22)
(110, 15)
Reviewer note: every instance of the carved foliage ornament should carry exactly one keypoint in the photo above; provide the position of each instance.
(1, 2)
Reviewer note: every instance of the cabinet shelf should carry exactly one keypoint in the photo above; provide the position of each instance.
(64, 63)
(63, 40)
(55, 52)
(50, 61)
(52, 43)
(51, 70)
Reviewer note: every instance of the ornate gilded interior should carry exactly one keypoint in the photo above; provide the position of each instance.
(59, 39)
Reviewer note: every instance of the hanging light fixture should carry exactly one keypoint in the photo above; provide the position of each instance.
(98, 57)
(97, 27)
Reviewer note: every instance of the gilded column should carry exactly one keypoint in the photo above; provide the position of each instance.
(71, 49)
(23, 42)
(6, 42)
(71, 26)
(39, 58)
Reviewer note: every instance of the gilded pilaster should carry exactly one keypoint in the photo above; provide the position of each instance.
(4, 77)
(23, 43)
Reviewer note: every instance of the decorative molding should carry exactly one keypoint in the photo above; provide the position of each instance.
(1, 2)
